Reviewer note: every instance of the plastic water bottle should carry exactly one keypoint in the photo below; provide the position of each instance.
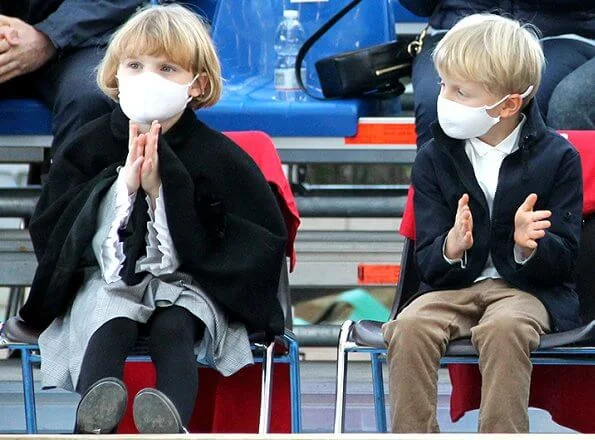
(289, 38)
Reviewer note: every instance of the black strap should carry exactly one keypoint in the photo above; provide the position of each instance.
(313, 39)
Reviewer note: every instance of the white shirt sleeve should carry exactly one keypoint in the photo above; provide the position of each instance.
(518, 255)
(161, 257)
(111, 255)
(461, 261)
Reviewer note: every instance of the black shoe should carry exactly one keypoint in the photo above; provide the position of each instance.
(155, 413)
(102, 407)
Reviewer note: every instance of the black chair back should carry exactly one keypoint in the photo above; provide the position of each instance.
(408, 283)
(585, 271)
(284, 295)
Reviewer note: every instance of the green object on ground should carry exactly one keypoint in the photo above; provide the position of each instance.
(365, 306)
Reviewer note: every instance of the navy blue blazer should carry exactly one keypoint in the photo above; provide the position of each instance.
(545, 164)
(72, 24)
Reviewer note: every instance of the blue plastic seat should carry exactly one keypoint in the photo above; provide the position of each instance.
(24, 117)
(403, 15)
(244, 32)
(206, 8)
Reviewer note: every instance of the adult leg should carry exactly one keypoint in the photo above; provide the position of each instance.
(416, 341)
(508, 331)
(425, 89)
(571, 105)
(68, 87)
(562, 57)
(16, 88)
(172, 333)
(106, 353)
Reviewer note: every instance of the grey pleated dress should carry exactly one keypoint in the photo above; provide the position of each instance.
(224, 346)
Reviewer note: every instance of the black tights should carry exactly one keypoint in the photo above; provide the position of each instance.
(172, 333)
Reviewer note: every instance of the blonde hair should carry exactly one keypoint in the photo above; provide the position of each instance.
(171, 31)
(497, 52)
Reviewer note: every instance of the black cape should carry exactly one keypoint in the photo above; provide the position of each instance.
(223, 218)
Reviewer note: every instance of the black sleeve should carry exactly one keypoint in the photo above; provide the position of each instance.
(83, 23)
(421, 8)
(556, 254)
(433, 219)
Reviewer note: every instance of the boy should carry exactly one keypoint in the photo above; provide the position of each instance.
(498, 200)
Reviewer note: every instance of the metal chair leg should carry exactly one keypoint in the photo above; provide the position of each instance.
(378, 385)
(294, 378)
(342, 358)
(16, 297)
(266, 390)
(28, 391)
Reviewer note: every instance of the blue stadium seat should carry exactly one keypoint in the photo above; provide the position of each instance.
(403, 15)
(24, 117)
(206, 8)
(244, 32)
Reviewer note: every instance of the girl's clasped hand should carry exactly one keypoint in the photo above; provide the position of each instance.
(142, 163)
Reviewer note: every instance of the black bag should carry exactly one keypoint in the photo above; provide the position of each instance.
(372, 72)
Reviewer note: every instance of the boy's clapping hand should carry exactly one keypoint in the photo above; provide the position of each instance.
(529, 225)
(460, 237)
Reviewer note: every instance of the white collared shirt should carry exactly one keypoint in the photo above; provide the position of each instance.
(486, 161)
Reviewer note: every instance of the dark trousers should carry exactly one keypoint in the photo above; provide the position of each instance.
(67, 86)
(563, 110)
(172, 333)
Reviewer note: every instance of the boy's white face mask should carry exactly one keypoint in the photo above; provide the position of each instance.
(147, 97)
(461, 121)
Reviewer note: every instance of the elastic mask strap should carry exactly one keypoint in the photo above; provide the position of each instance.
(193, 79)
(527, 92)
(523, 95)
(189, 84)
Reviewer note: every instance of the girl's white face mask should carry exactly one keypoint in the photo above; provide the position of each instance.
(461, 121)
(147, 97)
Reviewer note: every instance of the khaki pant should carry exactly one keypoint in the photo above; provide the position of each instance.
(505, 325)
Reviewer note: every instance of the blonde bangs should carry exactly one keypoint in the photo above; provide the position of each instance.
(157, 36)
(172, 32)
(494, 51)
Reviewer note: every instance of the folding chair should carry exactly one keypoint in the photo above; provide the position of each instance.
(260, 147)
(562, 348)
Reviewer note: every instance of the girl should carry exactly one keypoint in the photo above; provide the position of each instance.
(153, 223)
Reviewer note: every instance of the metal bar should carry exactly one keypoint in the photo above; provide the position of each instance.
(391, 207)
(348, 154)
(397, 189)
(294, 378)
(557, 351)
(18, 201)
(266, 390)
(21, 201)
(378, 384)
(342, 360)
(28, 391)
(317, 335)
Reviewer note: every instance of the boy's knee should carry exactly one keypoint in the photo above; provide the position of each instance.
(507, 331)
(412, 330)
